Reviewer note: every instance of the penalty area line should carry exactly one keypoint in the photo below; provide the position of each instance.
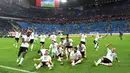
(16, 69)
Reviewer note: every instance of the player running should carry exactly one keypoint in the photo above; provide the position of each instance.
(108, 59)
(96, 41)
(83, 38)
(53, 37)
(46, 60)
(82, 48)
(42, 40)
(24, 46)
(17, 36)
(75, 57)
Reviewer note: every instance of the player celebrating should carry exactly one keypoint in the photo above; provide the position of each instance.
(46, 60)
(17, 36)
(42, 40)
(75, 57)
(59, 54)
(83, 38)
(108, 59)
(96, 41)
(68, 46)
(53, 37)
(24, 46)
(82, 48)
(62, 43)
(42, 51)
(53, 47)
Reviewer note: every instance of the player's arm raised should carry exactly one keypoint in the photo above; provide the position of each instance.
(104, 36)
(107, 46)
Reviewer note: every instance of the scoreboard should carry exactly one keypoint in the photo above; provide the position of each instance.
(48, 3)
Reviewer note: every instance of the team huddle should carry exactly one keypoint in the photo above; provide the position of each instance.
(60, 50)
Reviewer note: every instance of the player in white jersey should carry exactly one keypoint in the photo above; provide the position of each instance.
(108, 59)
(53, 47)
(53, 37)
(83, 38)
(17, 36)
(42, 51)
(32, 41)
(68, 46)
(45, 60)
(62, 43)
(82, 48)
(24, 46)
(59, 54)
(42, 40)
(97, 37)
(75, 57)
(61, 35)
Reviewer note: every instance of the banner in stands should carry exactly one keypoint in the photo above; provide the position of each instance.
(47, 3)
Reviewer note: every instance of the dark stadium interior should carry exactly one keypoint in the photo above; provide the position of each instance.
(68, 36)
(71, 12)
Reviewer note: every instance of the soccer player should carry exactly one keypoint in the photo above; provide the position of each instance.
(82, 48)
(59, 54)
(46, 60)
(108, 59)
(68, 46)
(120, 34)
(17, 36)
(32, 41)
(96, 41)
(53, 37)
(61, 35)
(62, 41)
(83, 38)
(53, 47)
(75, 57)
(24, 46)
(42, 40)
(41, 51)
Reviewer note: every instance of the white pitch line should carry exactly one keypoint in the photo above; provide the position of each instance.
(16, 69)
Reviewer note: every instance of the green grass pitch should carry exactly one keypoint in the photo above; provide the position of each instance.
(8, 56)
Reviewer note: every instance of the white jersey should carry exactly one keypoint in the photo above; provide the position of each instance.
(53, 37)
(42, 38)
(97, 37)
(45, 58)
(82, 48)
(43, 51)
(17, 35)
(62, 44)
(32, 35)
(61, 35)
(110, 55)
(53, 47)
(59, 51)
(83, 37)
(25, 38)
(76, 55)
(69, 42)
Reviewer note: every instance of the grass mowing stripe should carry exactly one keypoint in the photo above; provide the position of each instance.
(16, 69)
